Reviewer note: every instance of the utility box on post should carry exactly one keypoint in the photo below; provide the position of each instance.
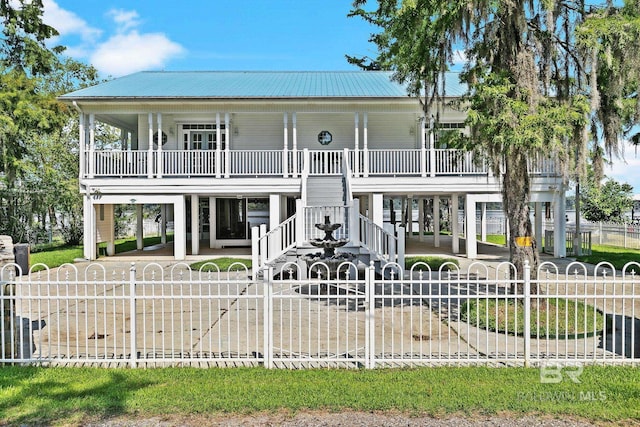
(21, 253)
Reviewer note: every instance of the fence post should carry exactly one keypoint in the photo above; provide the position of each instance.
(132, 314)
(370, 321)
(255, 251)
(267, 281)
(527, 313)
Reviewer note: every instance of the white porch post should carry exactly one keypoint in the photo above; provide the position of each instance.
(356, 145)
(195, 224)
(376, 210)
(111, 240)
(294, 141)
(470, 217)
(163, 223)
(409, 216)
(227, 146)
(483, 221)
(139, 228)
(436, 221)
(423, 147)
(212, 222)
(218, 142)
(274, 211)
(89, 213)
(537, 221)
(150, 149)
(179, 230)
(420, 218)
(559, 225)
(159, 153)
(455, 229)
(82, 141)
(300, 225)
(285, 156)
(365, 144)
(92, 145)
(354, 226)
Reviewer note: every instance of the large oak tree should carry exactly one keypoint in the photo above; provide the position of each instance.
(557, 78)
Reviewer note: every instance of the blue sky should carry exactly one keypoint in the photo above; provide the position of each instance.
(120, 37)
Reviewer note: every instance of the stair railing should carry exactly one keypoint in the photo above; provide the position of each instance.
(267, 246)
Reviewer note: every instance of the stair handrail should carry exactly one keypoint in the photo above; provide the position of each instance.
(267, 246)
(384, 245)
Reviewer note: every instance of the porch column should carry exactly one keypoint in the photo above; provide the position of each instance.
(285, 157)
(365, 144)
(410, 215)
(559, 225)
(470, 217)
(150, 150)
(483, 221)
(139, 228)
(81, 142)
(420, 218)
(537, 220)
(227, 146)
(436, 221)
(356, 145)
(294, 142)
(179, 230)
(212, 222)
(123, 139)
(163, 223)
(89, 240)
(218, 142)
(92, 145)
(111, 238)
(274, 211)
(159, 163)
(376, 209)
(195, 225)
(423, 147)
(455, 229)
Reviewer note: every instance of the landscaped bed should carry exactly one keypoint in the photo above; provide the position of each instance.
(550, 317)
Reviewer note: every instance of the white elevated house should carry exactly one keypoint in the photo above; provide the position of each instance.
(224, 152)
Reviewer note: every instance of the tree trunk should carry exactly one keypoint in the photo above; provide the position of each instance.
(522, 245)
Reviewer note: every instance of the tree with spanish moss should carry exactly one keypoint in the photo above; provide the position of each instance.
(552, 77)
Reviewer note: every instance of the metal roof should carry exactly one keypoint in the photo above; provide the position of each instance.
(253, 84)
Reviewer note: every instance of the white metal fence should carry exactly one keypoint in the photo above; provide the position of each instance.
(157, 316)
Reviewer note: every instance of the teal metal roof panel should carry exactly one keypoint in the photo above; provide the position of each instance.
(251, 84)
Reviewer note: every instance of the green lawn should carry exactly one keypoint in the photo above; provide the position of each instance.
(76, 396)
(617, 256)
(55, 256)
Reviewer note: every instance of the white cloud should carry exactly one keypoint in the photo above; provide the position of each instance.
(626, 171)
(127, 51)
(131, 52)
(68, 23)
(125, 19)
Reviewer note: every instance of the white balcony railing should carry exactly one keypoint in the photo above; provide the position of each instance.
(252, 163)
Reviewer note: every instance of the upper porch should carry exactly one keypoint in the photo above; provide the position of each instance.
(166, 164)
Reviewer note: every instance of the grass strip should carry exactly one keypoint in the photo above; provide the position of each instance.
(222, 264)
(434, 262)
(75, 396)
(550, 317)
(617, 256)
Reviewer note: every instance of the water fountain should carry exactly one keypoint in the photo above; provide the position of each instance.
(328, 244)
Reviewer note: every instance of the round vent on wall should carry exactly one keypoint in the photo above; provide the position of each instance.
(155, 138)
(325, 137)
